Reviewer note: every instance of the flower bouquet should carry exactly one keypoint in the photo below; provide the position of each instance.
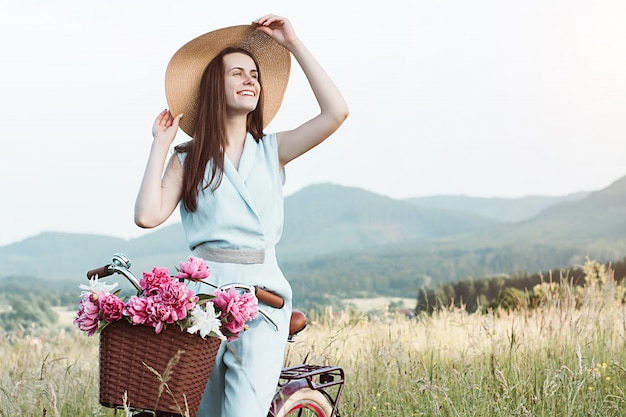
(157, 348)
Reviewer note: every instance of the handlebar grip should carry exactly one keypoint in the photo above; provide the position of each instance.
(269, 298)
(101, 272)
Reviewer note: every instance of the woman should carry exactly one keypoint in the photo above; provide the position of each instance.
(228, 181)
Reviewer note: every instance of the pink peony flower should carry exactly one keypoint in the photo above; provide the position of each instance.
(88, 314)
(136, 310)
(178, 298)
(152, 281)
(158, 313)
(194, 269)
(147, 311)
(235, 310)
(110, 306)
(167, 303)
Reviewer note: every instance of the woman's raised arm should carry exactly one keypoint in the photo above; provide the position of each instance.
(159, 193)
(333, 107)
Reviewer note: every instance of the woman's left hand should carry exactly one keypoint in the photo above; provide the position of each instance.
(279, 28)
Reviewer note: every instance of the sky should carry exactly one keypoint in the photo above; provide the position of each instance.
(484, 98)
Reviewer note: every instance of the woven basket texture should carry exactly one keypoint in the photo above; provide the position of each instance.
(124, 349)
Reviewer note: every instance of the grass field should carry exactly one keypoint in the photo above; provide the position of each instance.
(567, 358)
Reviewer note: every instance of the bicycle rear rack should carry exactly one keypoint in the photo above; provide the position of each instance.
(318, 378)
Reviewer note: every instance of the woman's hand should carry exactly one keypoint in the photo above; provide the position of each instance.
(165, 127)
(279, 28)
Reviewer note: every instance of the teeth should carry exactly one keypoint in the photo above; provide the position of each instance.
(247, 93)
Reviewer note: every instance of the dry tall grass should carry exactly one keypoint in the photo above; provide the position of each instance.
(567, 358)
(52, 375)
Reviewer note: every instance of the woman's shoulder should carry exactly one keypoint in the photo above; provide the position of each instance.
(180, 151)
(269, 139)
(183, 147)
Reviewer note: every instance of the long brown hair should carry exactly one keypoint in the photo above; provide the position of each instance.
(209, 138)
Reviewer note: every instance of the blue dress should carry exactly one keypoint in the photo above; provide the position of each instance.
(244, 216)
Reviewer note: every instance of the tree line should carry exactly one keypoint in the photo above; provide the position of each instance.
(509, 292)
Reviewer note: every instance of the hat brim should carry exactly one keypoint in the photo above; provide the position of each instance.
(185, 69)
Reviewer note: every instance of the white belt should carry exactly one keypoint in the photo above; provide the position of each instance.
(233, 256)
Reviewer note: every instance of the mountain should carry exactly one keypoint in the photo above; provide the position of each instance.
(561, 236)
(65, 256)
(502, 209)
(325, 219)
(347, 241)
(600, 215)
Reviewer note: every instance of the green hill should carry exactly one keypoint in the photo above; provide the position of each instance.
(326, 219)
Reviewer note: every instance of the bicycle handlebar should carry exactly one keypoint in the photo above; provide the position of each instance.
(119, 260)
(269, 298)
(120, 264)
(101, 272)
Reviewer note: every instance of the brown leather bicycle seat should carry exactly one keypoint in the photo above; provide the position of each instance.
(297, 322)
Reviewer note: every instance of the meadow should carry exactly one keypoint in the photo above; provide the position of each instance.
(566, 357)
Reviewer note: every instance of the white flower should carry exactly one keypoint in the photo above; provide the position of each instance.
(96, 286)
(205, 322)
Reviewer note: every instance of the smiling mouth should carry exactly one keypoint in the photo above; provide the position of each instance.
(247, 93)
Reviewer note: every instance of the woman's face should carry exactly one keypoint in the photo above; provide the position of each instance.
(242, 83)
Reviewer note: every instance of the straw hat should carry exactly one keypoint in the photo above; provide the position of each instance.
(185, 69)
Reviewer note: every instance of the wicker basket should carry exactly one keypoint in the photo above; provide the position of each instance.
(125, 348)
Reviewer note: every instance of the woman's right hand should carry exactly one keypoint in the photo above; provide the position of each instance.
(165, 127)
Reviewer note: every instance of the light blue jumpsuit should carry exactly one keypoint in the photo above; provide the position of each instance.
(245, 213)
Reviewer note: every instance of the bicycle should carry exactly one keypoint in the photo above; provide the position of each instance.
(302, 390)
